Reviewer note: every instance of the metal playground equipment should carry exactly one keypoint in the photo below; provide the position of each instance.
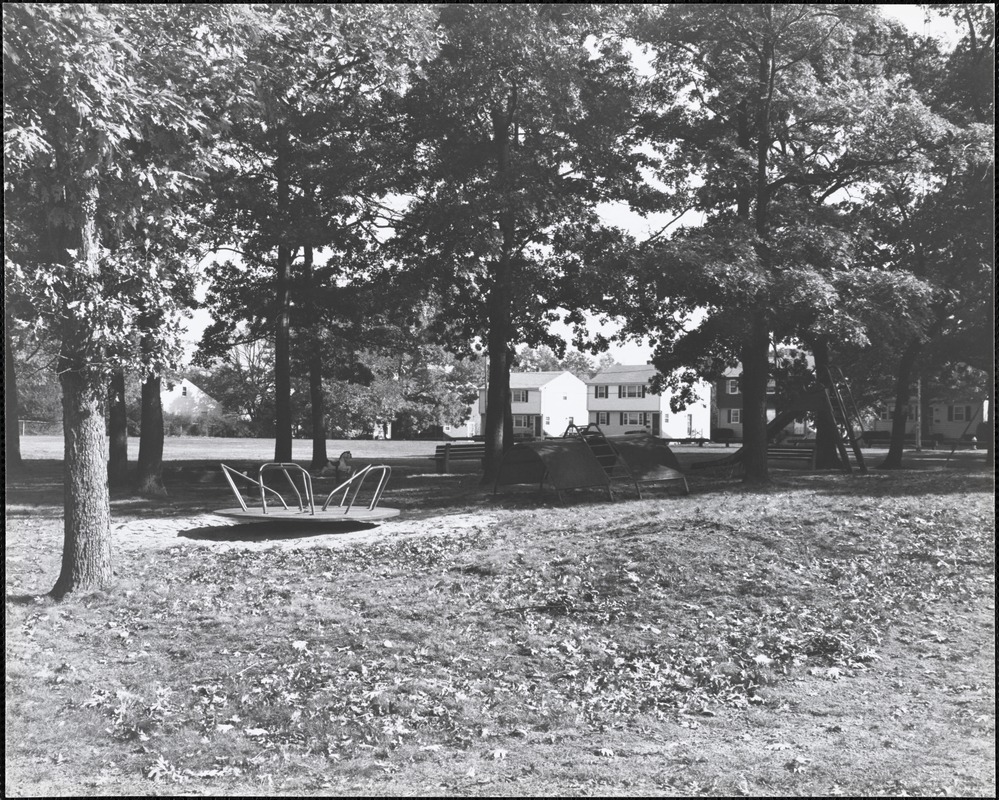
(347, 510)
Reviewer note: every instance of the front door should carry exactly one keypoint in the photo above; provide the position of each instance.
(656, 421)
(537, 426)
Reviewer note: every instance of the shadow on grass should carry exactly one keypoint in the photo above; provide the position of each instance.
(276, 531)
(30, 599)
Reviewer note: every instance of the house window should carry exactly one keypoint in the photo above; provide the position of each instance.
(884, 413)
(733, 386)
(771, 386)
(519, 396)
(600, 391)
(603, 417)
(735, 415)
(183, 391)
(665, 419)
(521, 421)
(631, 390)
(548, 420)
(959, 413)
(633, 418)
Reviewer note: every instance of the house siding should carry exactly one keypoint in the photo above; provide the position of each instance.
(694, 421)
(553, 399)
(946, 420)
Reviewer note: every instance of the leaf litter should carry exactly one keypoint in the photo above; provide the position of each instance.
(540, 623)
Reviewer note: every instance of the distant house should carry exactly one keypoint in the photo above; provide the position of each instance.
(467, 429)
(542, 403)
(186, 405)
(618, 399)
(727, 392)
(947, 420)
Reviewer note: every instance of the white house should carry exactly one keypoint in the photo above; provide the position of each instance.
(183, 399)
(946, 420)
(467, 429)
(618, 399)
(542, 403)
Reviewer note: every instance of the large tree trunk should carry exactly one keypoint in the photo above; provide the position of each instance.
(11, 419)
(497, 402)
(826, 433)
(316, 400)
(282, 326)
(990, 455)
(755, 373)
(117, 431)
(86, 555)
(756, 349)
(149, 473)
(903, 391)
(499, 424)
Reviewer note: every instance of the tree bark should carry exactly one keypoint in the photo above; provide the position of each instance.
(282, 326)
(755, 373)
(990, 454)
(826, 434)
(903, 387)
(117, 430)
(86, 556)
(149, 472)
(499, 311)
(316, 400)
(11, 418)
(756, 348)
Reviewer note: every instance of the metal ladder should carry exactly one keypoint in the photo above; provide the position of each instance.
(844, 422)
(607, 456)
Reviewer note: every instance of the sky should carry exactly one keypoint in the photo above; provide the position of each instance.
(911, 16)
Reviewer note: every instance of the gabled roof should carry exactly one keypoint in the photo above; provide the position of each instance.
(624, 373)
(533, 380)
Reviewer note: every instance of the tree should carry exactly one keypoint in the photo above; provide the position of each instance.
(768, 114)
(310, 152)
(544, 359)
(85, 88)
(523, 124)
(12, 433)
(935, 226)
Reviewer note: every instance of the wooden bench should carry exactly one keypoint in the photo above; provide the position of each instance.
(797, 451)
(444, 454)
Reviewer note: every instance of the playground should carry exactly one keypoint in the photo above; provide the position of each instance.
(833, 634)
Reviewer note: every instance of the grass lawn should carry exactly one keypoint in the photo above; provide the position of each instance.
(832, 635)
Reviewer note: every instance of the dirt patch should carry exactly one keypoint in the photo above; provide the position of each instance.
(221, 533)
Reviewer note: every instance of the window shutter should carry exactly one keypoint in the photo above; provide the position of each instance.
(729, 413)
(622, 419)
(619, 393)
(950, 413)
(643, 391)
